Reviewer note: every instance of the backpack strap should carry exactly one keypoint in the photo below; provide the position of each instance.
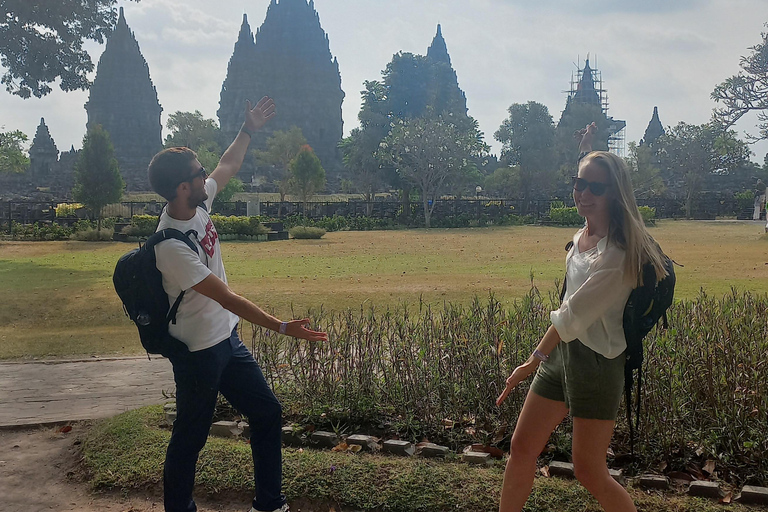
(175, 234)
(568, 247)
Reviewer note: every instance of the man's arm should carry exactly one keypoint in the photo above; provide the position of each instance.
(232, 159)
(216, 289)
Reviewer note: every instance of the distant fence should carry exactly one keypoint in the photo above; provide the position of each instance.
(708, 206)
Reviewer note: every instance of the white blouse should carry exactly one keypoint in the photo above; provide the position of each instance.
(596, 293)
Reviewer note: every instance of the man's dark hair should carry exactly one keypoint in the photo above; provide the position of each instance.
(168, 169)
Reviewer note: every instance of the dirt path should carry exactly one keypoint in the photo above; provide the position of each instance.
(38, 472)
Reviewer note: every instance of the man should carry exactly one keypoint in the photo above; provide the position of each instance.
(216, 360)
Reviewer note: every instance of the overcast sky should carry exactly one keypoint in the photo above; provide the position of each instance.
(665, 53)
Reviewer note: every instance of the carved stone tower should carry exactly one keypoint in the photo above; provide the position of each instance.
(43, 154)
(124, 102)
(291, 62)
(654, 131)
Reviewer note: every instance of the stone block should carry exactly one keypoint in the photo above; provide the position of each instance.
(434, 450)
(397, 447)
(366, 442)
(705, 489)
(618, 475)
(291, 437)
(562, 469)
(170, 406)
(170, 416)
(225, 429)
(653, 482)
(477, 458)
(245, 428)
(753, 494)
(324, 439)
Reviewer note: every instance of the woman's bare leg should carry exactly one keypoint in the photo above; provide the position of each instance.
(591, 439)
(537, 420)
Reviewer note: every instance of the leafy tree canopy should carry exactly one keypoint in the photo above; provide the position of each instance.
(307, 174)
(192, 130)
(97, 176)
(12, 157)
(430, 154)
(43, 41)
(747, 91)
(690, 154)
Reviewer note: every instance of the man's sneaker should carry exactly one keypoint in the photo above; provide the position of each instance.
(284, 508)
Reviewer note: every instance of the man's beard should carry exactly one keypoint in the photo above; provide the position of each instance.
(196, 199)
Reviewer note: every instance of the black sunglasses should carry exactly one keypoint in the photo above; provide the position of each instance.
(597, 188)
(202, 172)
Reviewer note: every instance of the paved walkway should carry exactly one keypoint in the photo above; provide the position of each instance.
(49, 392)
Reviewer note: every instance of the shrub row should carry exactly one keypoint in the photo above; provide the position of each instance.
(145, 225)
(560, 215)
(54, 231)
(435, 372)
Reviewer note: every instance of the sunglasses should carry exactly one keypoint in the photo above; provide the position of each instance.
(597, 188)
(202, 173)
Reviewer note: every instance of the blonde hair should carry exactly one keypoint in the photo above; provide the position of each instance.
(626, 227)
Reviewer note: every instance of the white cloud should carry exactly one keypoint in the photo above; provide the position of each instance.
(665, 53)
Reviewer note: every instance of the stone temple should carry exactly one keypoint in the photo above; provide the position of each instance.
(124, 102)
(289, 60)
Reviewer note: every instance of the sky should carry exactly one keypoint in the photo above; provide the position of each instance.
(665, 53)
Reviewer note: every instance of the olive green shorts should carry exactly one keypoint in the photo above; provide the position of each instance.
(590, 384)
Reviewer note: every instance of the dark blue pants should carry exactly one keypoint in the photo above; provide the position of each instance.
(229, 368)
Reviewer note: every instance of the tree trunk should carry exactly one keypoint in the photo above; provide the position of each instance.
(427, 212)
(405, 216)
(280, 206)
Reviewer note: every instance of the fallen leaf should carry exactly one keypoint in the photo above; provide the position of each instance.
(727, 498)
(680, 475)
(545, 471)
(354, 448)
(341, 447)
(709, 467)
(65, 429)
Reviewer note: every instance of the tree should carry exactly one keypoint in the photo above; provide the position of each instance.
(747, 91)
(644, 169)
(282, 148)
(307, 174)
(504, 182)
(359, 157)
(528, 138)
(43, 41)
(192, 130)
(97, 176)
(12, 157)
(430, 153)
(689, 154)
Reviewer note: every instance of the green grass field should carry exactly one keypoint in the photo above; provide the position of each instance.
(58, 300)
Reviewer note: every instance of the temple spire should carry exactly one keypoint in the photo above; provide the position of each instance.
(124, 102)
(438, 50)
(654, 130)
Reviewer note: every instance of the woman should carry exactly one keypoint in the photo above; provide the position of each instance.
(584, 376)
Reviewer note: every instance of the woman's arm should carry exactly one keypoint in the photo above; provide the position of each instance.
(545, 347)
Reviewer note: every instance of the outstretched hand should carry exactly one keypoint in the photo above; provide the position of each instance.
(586, 137)
(518, 375)
(298, 329)
(256, 117)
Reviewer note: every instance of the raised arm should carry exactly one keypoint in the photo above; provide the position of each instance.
(586, 138)
(232, 159)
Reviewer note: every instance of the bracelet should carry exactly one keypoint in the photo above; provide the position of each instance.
(283, 327)
(246, 131)
(540, 356)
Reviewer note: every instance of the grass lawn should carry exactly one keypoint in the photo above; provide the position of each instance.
(126, 452)
(58, 300)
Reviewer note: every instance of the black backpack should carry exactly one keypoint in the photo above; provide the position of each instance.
(646, 305)
(139, 284)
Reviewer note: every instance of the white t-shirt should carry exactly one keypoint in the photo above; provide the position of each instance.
(200, 322)
(595, 296)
